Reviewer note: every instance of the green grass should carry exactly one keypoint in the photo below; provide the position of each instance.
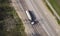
(58, 21)
(55, 5)
(9, 16)
(19, 24)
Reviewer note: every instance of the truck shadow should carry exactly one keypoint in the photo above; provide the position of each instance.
(36, 34)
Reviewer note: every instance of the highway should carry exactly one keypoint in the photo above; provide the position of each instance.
(34, 5)
(44, 26)
(32, 30)
(38, 27)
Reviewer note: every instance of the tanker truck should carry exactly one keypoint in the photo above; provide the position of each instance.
(30, 16)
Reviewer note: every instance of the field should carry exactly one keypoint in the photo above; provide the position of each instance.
(56, 5)
(10, 23)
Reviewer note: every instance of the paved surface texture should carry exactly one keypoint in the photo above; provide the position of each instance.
(31, 30)
(46, 20)
(41, 13)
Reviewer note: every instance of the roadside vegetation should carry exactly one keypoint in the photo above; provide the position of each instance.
(54, 8)
(56, 5)
(10, 23)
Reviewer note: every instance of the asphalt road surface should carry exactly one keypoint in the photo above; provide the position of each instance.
(43, 27)
(37, 28)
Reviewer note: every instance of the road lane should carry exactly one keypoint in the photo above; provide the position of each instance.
(35, 29)
(32, 30)
(47, 15)
(38, 28)
(50, 30)
(23, 17)
(31, 8)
